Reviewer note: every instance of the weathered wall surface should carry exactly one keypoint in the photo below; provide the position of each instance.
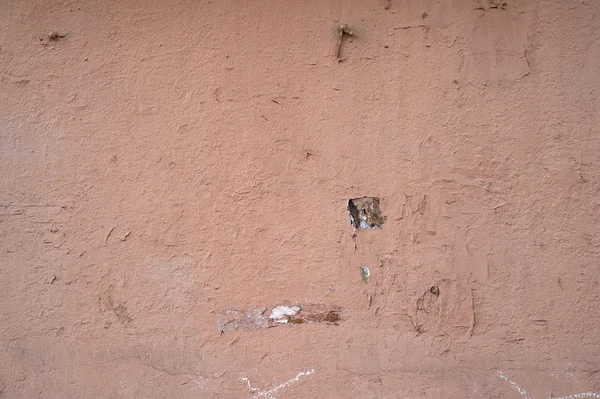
(172, 171)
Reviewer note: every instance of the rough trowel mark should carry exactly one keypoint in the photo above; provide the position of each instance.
(343, 31)
(269, 393)
(365, 213)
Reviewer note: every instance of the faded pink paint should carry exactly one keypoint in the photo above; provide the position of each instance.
(168, 161)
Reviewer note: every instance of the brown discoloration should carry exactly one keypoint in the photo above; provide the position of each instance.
(120, 310)
(122, 313)
(320, 314)
(331, 316)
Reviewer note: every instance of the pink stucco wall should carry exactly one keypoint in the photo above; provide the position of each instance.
(172, 172)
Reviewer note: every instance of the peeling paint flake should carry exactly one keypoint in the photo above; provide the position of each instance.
(281, 314)
(365, 273)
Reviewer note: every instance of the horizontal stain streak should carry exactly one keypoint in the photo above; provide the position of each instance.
(273, 316)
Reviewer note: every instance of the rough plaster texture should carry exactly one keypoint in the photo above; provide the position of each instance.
(170, 161)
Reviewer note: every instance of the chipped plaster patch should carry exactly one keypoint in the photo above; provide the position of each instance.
(365, 213)
(365, 273)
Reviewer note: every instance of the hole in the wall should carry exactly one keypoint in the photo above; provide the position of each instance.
(365, 213)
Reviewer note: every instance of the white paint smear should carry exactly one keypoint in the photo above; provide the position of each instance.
(523, 392)
(268, 394)
(281, 314)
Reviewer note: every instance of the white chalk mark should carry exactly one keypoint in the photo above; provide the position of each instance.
(199, 382)
(578, 396)
(269, 394)
(513, 384)
(247, 380)
(523, 392)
